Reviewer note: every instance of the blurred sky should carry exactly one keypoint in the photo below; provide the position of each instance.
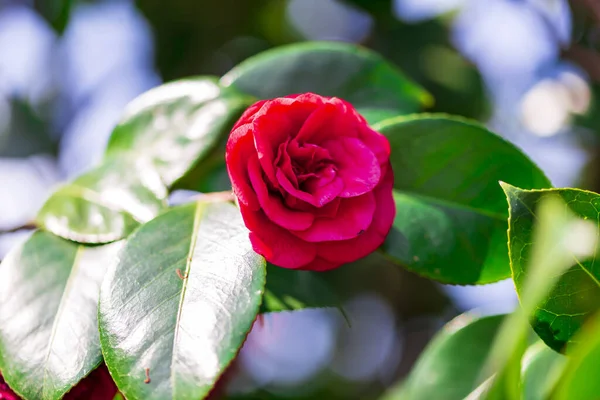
(79, 82)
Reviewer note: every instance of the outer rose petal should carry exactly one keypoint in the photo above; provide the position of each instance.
(357, 166)
(331, 121)
(351, 250)
(276, 244)
(240, 147)
(273, 207)
(353, 218)
(249, 114)
(378, 144)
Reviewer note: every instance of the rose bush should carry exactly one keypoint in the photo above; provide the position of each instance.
(313, 181)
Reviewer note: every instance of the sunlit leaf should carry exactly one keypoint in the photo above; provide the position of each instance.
(180, 302)
(105, 204)
(49, 291)
(177, 125)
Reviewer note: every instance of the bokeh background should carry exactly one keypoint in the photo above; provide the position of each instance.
(529, 69)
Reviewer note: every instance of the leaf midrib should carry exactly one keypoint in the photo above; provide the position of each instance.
(198, 213)
(59, 311)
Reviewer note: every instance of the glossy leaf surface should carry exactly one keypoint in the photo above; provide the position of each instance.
(105, 204)
(176, 125)
(179, 304)
(347, 71)
(576, 295)
(450, 213)
(49, 290)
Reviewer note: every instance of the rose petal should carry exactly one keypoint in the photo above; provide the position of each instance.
(275, 122)
(240, 147)
(276, 244)
(357, 165)
(319, 197)
(248, 115)
(272, 206)
(353, 218)
(378, 144)
(333, 120)
(329, 210)
(351, 250)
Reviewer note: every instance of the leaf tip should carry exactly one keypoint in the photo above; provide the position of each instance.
(508, 188)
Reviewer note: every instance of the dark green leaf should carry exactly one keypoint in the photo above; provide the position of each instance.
(347, 71)
(450, 366)
(288, 290)
(450, 213)
(105, 204)
(177, 125)
(541, 368)
(48, 314)
(576, 295)
(580, 378)
(180, 302)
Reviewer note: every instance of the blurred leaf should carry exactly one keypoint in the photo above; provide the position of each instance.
(580, 378)
(105, 204)
(288, 290)
(451, 217)
(176, 126)
(449, 368)
(576, 294)
(550, 255)
(541, 368)
(26, 135)
(56, 12)
(180, 302)
(352, 73)
(48, 306)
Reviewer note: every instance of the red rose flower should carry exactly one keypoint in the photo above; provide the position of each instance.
(313, 181)
(96, 386)
(5, 392)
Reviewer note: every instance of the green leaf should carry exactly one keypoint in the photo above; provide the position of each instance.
(288, 290)
(347, 71)
(576, 295)
(180, 302)
(49, 291)
(550, 257)
(451, 215)
(580, 378)
(105, 204)
(449, 367)
(541, 368)
(177, 125)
